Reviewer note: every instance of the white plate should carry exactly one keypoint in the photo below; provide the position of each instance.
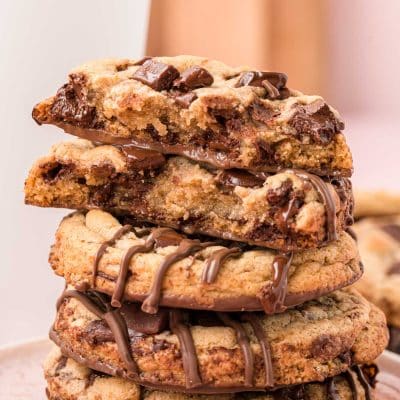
(21, 376)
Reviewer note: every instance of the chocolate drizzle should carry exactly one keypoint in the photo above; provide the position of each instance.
(186, 247)
(352, 383)
(160, 236)
(331, 389)
(348, 375)
(273, 296)
(188, 350)
(132, 322)
(322, 188)
(103, 248)
(99, 307)
(214, 262)
(245, 346)
(365, 384)
(125, 322)
(265, 347)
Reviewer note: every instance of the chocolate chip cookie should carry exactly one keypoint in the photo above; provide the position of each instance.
(288, 210)
(94, 250)
(201, 109)
(68, 380)
(205, 352)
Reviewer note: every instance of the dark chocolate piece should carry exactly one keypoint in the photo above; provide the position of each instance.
(157, 75)
(235, 177)
(184, 99)
(193, 78)
(316, 122)
(140, 159)
(258, 78)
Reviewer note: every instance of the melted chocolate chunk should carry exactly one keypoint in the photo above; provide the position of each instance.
(315, 122)
(193, 78)
(140, 159)
(257, 78)
(325, 347)
(139, 321)
(262, 113)
(184, 99)
(98, 332)
(272, 82)
(157, 75)
(393, 230)
(235, 177)
(281, 195)
(70, 104)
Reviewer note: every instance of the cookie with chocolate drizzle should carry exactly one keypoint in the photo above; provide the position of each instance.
(159, 266)
(182, 351)
(66, 379)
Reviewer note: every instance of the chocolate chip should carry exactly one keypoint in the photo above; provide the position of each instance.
(98, 332)
(157, 75)
(280, 196)
(102, 171)
(193, 78)
(315, 122)
(142, 159)
(262, 113)
(325, 347)
(238, 178)
(256, 78)
(139, 321)
(100, 195)
(184, 99)
(273, 82)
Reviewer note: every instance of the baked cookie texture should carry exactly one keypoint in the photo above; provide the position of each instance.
(314, 341)
(202, 109)
(379, 244)
(287, 210)
(202, 280)
(376, 203)
(68, 380)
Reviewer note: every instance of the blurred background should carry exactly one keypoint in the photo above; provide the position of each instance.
(347, 51)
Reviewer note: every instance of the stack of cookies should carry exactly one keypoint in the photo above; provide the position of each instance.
(209, 257)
